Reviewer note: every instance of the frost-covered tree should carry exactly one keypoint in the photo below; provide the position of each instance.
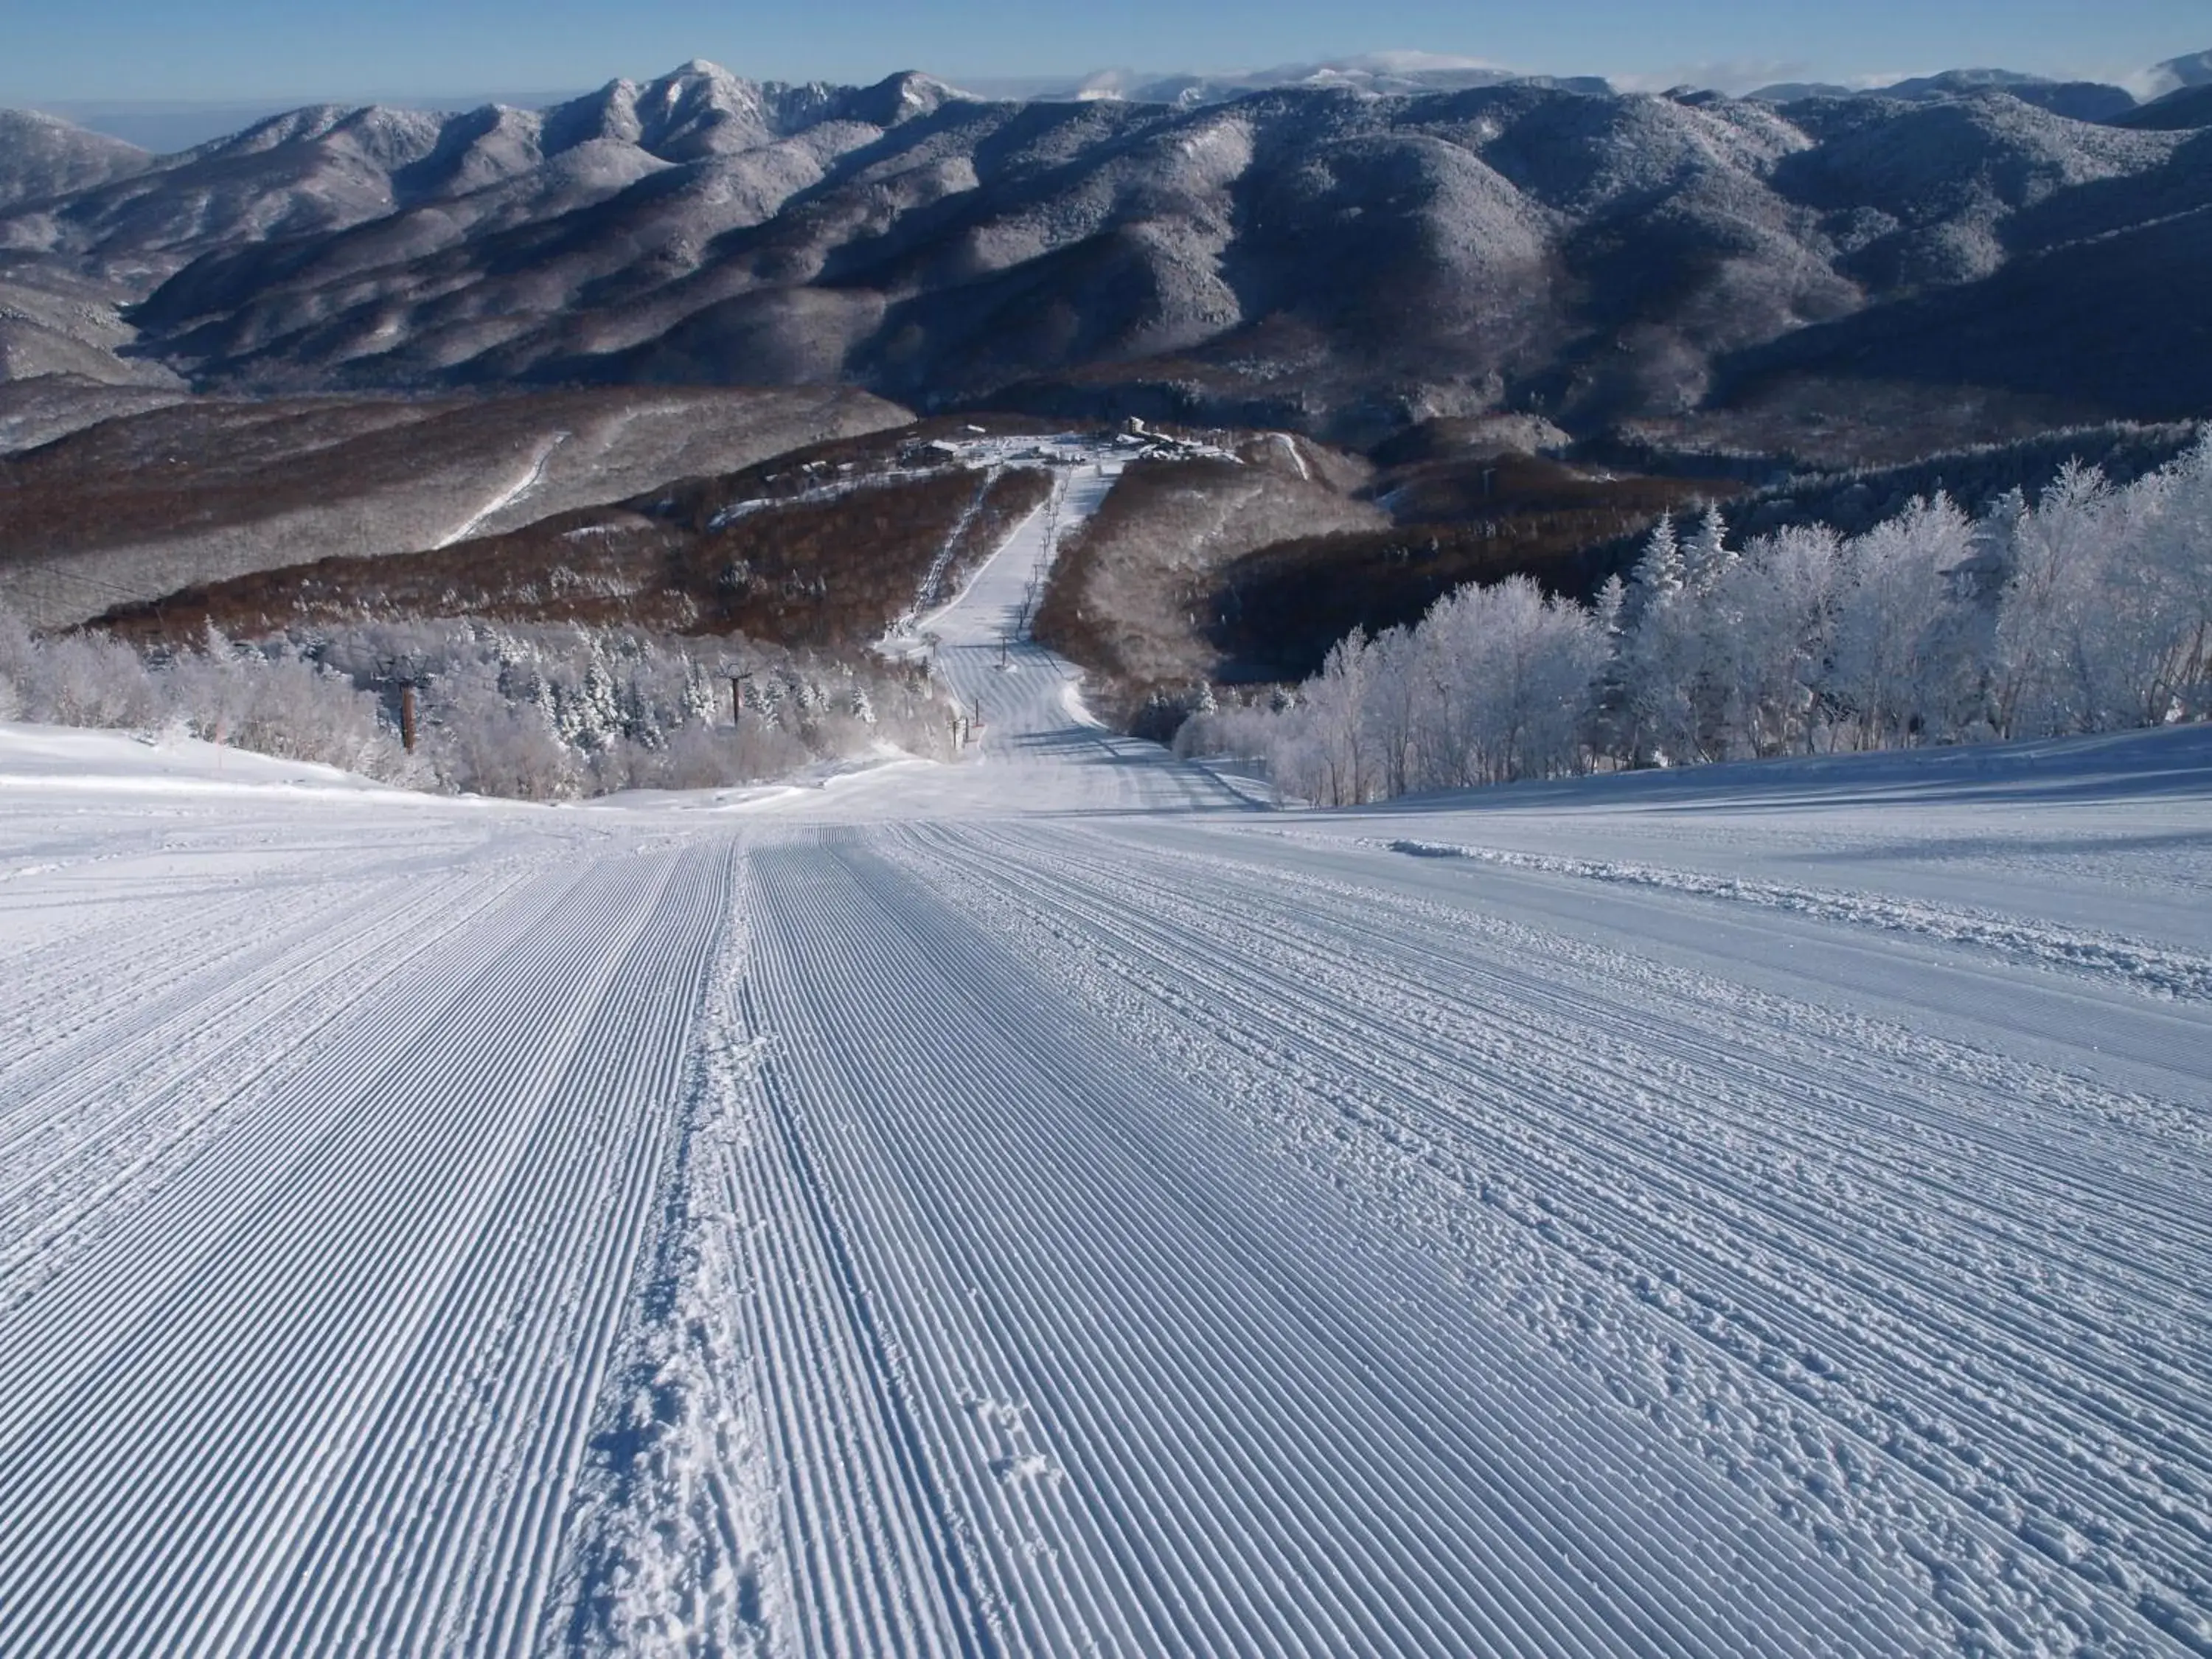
(1338, 724)
(2048, 623)
(1514, 674)
(702, 696)
(535, 712)
(2089, 610)
(1663, 652)
(1705, 554)
(1884, 673)
(1781, 597)
(1398, 691)
(1659, 573)
(2155, 661)
(487, 743)
(87, 680)
(1609, 710)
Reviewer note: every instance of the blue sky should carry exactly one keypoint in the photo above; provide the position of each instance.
(98, 50)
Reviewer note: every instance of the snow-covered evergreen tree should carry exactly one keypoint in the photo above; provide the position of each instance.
(1663, 654)
(1705, 554)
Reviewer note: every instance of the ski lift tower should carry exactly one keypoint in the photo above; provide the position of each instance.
(740, 678)
(404, 672)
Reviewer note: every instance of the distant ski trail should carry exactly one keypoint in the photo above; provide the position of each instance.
(928, 595)
(509, 497)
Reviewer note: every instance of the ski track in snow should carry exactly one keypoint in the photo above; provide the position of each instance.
(1038, 1204)
(2146, 966)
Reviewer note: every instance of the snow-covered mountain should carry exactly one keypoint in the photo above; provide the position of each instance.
(41, 157)
(2177, 74)
(2082, 101)
(1341, 248)
(1375, 75)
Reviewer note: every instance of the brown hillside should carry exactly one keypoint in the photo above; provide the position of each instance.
(210, 489)
(1274, 612)
(826, 573)
(1128, 598)
(1210, 571)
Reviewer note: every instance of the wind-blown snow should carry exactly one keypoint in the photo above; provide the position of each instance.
(1043, 1204)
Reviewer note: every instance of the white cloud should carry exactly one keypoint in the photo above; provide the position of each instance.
(1415, 63)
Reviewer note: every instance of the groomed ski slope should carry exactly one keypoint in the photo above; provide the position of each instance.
(1045, 1204)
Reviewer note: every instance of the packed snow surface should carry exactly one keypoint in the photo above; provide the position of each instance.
(1047, 1203)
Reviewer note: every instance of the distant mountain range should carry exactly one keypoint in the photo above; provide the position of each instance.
(2083, 101)
(1379, 75)
(1344, 249)
(166, 126)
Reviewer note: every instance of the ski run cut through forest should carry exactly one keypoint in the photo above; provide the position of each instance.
(1048, 1202)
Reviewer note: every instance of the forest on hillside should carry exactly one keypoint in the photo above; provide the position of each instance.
(2086, 609)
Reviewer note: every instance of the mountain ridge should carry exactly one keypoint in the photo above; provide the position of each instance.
(1319, 257)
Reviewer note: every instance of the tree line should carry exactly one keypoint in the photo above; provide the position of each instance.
(535, 713)
(2088, 609)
